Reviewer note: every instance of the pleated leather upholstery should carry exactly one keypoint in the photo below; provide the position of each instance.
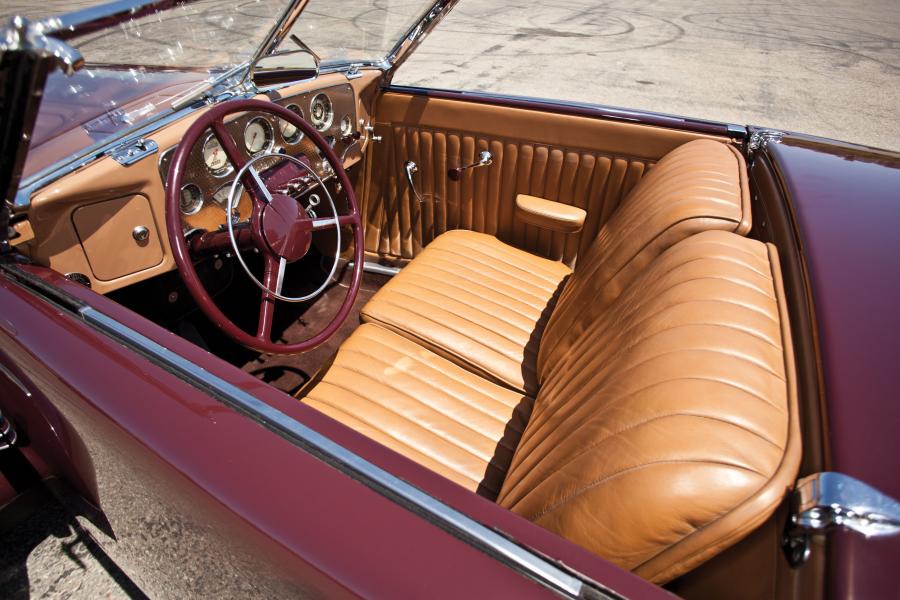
(424, 407)
(476, 301)
(494, 308)
(483, 200)
(699, 186)
(669, 429)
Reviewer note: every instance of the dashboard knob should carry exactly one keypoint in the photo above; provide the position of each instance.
(140, 234)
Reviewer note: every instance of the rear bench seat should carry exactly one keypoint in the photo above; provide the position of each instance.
(659, 423)
(486, 305)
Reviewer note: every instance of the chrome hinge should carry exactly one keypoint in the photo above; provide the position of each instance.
(133, 151)
(353, 71)
(825, 501)
(7, 433)
(761, 138)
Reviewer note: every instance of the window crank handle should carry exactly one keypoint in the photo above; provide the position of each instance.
(485, 158)
(410, 167)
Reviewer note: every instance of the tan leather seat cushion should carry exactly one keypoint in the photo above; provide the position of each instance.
(424, 407)
(487, 305)
(476, 301)
(669, 429)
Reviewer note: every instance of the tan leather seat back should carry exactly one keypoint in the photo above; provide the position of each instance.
(699, 186)
(669, 429)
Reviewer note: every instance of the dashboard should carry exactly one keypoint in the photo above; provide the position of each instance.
(105, 223)
(209, 175)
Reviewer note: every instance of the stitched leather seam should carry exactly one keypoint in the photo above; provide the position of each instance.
(470, 293)
(492, 257)
(594, 484)
(424, 451)
(484, 396)
(432, 432)
(636, 425)
(444, 325)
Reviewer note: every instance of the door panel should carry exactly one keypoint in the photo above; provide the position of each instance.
(581, 161)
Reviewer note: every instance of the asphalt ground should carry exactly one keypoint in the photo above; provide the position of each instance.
(828, 68)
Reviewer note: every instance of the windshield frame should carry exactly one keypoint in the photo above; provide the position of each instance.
(232, 83)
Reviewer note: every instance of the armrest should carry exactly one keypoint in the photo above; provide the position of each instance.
(548, 214)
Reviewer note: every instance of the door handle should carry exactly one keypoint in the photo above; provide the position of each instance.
(410, 167)
(485, 158)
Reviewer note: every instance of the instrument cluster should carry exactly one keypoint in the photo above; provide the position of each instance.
(209, 173)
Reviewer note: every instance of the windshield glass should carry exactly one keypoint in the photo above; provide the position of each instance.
(143, 68)
(207, 34)
(342, 32)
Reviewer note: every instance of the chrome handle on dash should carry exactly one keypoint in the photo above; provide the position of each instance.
(485, 158)
(410, 167)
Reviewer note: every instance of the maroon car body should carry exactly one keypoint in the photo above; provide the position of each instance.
(179, 479)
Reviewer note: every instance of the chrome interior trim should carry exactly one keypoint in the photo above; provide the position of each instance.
(445, 516)
(829, 499)
(371, 267)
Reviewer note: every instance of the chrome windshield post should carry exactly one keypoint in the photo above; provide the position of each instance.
(27, 57)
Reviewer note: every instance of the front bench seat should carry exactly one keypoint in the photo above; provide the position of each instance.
(485, 305)
(666, 431)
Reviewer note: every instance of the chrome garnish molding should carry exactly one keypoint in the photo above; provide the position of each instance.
(827, 501)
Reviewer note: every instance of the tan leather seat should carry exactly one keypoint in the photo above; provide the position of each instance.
(424, 407)
(475, 300)
(665, 431)
(485, 304)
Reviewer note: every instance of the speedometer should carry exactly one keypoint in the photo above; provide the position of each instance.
(214, 156)
(321, 112)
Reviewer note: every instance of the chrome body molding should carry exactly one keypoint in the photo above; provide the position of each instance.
(826, 501)
(762, 137)
(532, 565)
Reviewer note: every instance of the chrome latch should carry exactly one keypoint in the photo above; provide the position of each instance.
(133, 151)
(353, 71)
(7, 433)
(761, 138)
(825, 501)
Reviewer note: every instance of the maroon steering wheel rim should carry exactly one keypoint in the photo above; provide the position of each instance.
(214, 119)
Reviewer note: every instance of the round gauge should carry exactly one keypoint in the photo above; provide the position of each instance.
(346, 127)
(191, 199)
(321, 112)
(214, 156)
(221, 195)
(258, 135)
(290, 132)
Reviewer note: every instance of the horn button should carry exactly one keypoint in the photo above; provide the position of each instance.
(286, 227)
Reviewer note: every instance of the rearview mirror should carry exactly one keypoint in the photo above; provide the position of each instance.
(285, 66)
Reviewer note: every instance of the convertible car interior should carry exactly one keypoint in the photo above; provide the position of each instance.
(577, 318)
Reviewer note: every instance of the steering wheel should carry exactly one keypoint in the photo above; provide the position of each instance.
(280, 226)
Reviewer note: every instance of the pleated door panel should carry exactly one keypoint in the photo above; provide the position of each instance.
(589, 163)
